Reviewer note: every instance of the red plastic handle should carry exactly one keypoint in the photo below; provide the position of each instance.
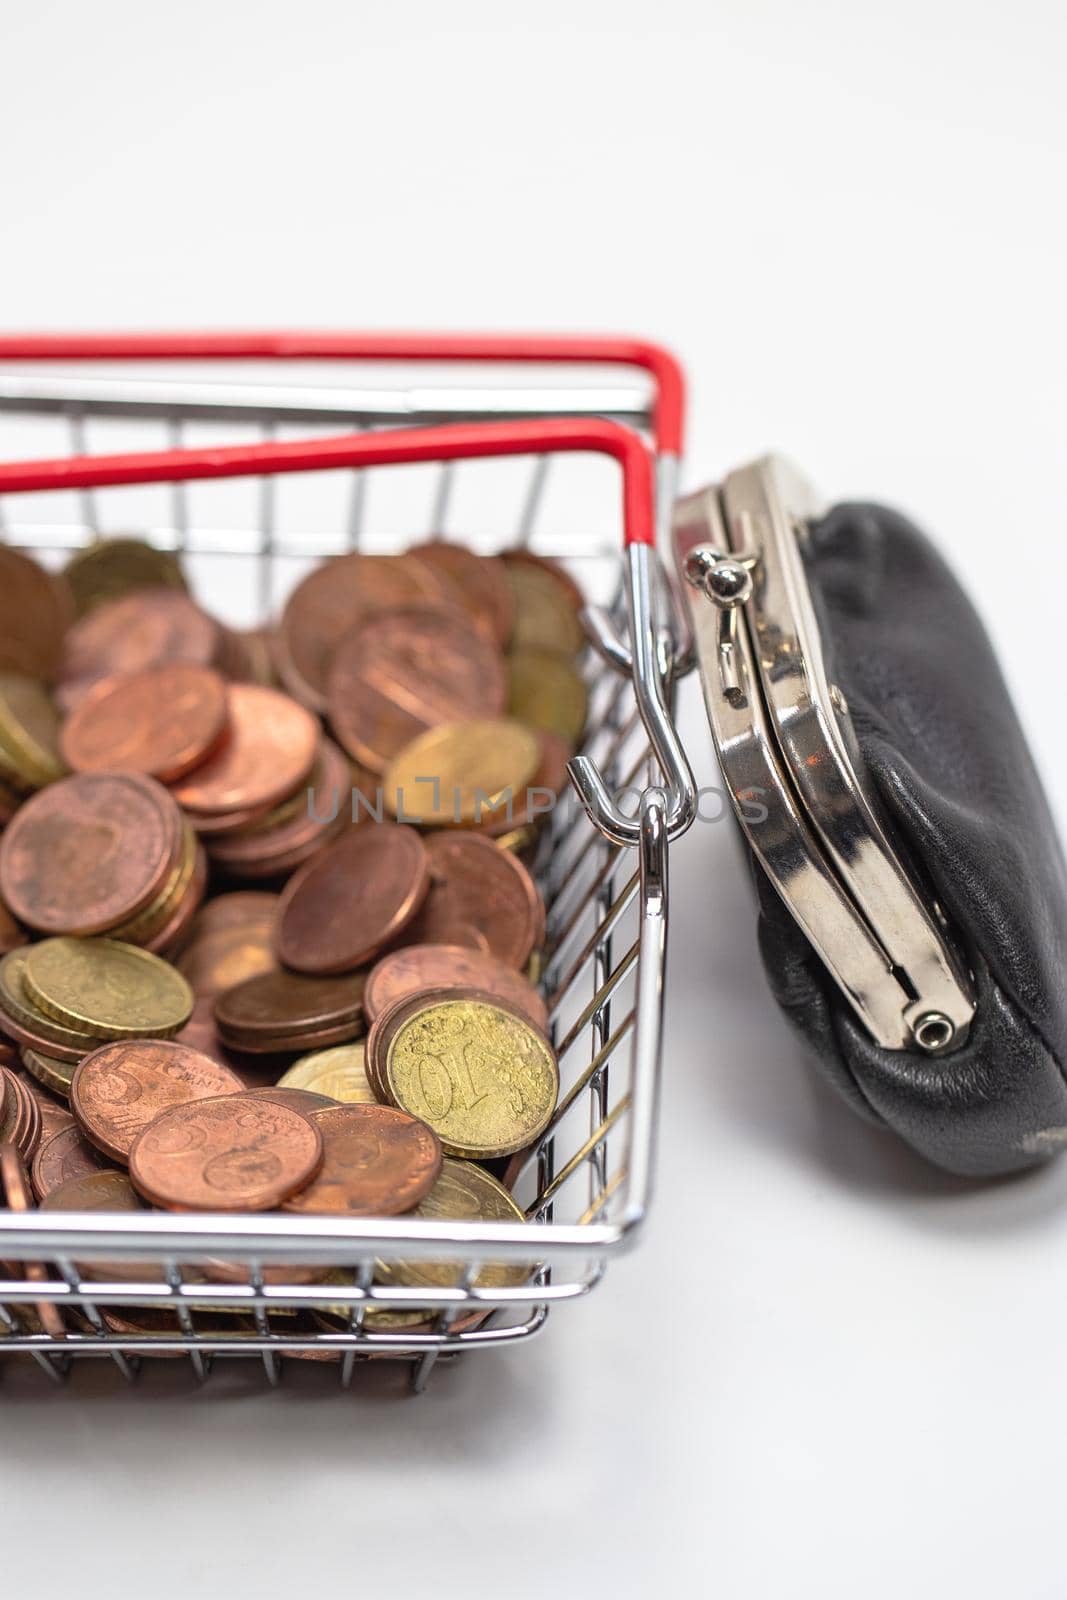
(668, 415)
(451, 443)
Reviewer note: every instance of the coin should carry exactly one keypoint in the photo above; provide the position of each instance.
(281, 1010)
(269, 752)
(340, 1073)
(163, 721)
(105, 1190)
(473, 885)
(352, 900)
(469, 1065)
(330, 601)
(225, 954)
(403, 671)
(547, 604)
(462, 773)
(110, 568)
(143, 629)
(49, 1071)
(547, 692)
(298, 829)
(518, 832)
(20, 1115)
(377, 1162)
(462, 1193)
(480, 583)
(146, 925)
(29, 732)
(67, 1155)
(113, 990)
(297, 1099)
(24, 1021)
(236, 1153)
(11, 935)
(89, 852)
(243, 906)
(182, 909)
(415, 968)
(35, 611)
(55, 1118)
(120, 1088)
(18, 1196)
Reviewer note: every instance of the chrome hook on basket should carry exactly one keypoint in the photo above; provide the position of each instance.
(651, 676)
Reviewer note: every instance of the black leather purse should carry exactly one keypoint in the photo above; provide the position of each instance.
(912, 891)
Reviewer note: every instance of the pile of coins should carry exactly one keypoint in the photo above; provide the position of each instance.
(360, 1035)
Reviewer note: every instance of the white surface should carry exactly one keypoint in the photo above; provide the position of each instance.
(850, 1378)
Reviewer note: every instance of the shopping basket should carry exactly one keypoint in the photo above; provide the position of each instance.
(602, 867)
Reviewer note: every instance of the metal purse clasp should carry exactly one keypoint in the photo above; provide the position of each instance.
(784, 735)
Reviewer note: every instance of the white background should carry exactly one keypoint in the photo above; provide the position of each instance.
(828, 1371)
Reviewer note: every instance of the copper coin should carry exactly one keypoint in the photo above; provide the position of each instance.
(35, 611)
(120, 1088)
(269, 752)
(170, 935)
(256, 1014)
(403, 671)
(18, 1196)
(322, 812)
(242, 906)
(237, 1153)
(201, 1033)
(89, 852)
(355, 898)
(330, 601)
(55, 1118)
(377, 1162)
(20, 1115)
(11, 935)
(480, 582)
(163, 721)
(417, 967)
(104, 1191)
(297, 1099)
(67, 1155)
(228, 954)
(143, 629)
(475, 885)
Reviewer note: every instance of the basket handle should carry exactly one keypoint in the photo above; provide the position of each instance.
(394, 446)
(668, 414)
(456, 442)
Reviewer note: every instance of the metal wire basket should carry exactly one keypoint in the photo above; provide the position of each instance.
(602, 862)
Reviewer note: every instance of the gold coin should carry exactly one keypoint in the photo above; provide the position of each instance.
(54, 1074)
(482, 1077)
(29, 732)
(110, 568)
(20, 1007)
(462, 773)
(547, 691)
(517, 839)
(340, 1073)
(463, 1193)
(546, 617)
(115, 991)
